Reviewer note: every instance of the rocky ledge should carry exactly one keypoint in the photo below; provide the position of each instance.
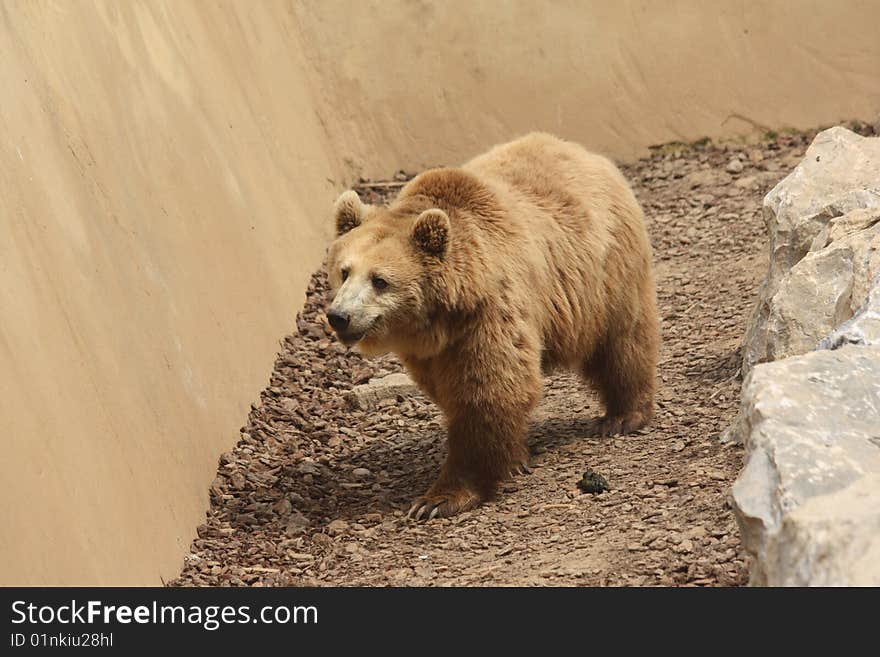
(808, 499)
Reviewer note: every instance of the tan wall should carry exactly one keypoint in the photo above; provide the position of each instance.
(166, 169)
(414, 83)
(163, 186)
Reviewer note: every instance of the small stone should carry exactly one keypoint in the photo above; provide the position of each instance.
(337, 527)
(282, 507)
(734, 166)
(696, 532)
(403, 573)
(246, 519)
(594, 483)
(296, 523)
(308, 467)
(392, 387)
(217, 486)
(361, 473)
(685, 546)
(705, 177)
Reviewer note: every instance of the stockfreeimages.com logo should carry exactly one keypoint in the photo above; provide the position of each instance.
(210, 617)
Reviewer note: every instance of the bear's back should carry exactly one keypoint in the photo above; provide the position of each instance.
(540, 163)
(561, 178)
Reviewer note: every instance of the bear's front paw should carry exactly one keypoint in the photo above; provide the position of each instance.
(443, 504)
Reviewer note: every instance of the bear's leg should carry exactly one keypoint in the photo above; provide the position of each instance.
(487, 432)
(486, 446)
(623, 369)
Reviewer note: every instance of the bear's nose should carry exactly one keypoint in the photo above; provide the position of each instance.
(339, 321)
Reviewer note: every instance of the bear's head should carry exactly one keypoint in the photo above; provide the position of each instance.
(384, 267)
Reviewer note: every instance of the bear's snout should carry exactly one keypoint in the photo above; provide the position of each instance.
(338, 320)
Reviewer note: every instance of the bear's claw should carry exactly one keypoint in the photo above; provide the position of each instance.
(443, 506)
(521, 468)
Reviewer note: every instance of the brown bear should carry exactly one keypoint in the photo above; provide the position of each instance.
(529, 257)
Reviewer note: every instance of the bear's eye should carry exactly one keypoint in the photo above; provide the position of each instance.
(379, 283)
(344, 274)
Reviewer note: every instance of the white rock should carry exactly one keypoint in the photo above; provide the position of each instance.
(840, 173)
(734, 166)
(863, 328)
(368, 395)
(821, 292)
(808, 500)
(811, 300)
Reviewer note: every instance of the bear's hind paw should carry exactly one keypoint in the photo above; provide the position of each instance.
(615, 425)
(520, 468)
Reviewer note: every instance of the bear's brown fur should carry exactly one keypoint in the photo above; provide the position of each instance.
(531, 256)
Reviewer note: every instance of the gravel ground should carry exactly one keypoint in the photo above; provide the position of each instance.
(314, 493)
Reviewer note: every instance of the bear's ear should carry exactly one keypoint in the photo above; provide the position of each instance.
(348, 211)
(431, 232)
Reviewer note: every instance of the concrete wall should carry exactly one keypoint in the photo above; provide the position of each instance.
(416, 83)
(166, 169)
(163, 195)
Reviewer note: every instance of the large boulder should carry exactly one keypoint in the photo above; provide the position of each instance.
(834, 189)
(808, 500)
(822, 291)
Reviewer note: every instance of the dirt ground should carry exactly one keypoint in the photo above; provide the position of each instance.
(315, 493)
